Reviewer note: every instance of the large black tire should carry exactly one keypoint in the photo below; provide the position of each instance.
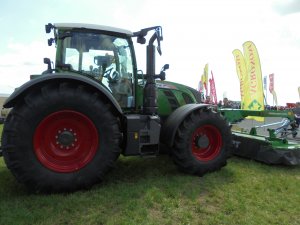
(61, 137)
(203, 142)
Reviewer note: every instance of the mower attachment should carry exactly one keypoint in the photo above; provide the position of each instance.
(278, 146)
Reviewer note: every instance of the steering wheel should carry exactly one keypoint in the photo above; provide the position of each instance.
(107, 73)
(111, 77)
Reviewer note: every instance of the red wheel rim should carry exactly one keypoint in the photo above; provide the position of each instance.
(65, 141)
(206, 143)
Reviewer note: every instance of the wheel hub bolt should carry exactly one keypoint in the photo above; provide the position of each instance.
(65, 139)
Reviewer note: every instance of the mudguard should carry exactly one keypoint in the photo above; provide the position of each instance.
(172, 123)
(59, 77)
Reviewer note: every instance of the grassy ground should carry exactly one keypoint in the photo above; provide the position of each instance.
(152, 191)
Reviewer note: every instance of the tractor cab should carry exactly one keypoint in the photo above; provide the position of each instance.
(99, 52)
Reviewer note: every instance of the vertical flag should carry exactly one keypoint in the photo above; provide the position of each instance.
(213, 92)
(266, 90)
(265, 82)
(200, 89)
(242, 75)
(205, 78)
(271, 83)
(200, 86)
(255, 87)
(272, 89)
(299, 92)
(275, 97)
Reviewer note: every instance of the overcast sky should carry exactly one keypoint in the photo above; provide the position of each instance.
(195, 32)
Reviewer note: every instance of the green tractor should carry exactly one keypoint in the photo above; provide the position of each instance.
(68, 126)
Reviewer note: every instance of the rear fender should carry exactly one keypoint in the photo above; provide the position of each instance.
(25, 88)
(175, 119)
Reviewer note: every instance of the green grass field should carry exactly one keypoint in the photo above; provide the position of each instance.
(152, 191)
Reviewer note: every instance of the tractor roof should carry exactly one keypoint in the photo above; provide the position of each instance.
(93, 27)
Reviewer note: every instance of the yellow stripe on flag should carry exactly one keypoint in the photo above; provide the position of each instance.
(205, 77)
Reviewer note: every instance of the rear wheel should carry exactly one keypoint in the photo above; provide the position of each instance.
(62, 137)
(203, 143)
(65, 141)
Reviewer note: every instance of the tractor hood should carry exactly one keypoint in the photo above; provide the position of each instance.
(193, 93)
(172, 95)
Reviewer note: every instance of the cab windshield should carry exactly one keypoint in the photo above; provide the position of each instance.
(105, 58)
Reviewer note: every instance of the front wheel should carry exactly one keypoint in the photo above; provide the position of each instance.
(203, 143)
(61, 137)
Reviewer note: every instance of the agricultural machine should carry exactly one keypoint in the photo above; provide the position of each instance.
(276, 146)
(69, 124)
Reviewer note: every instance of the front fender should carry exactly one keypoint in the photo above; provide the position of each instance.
(172, 123)
(59, 77)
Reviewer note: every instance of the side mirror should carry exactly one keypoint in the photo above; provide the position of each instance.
(48, 62)
(166, 67)
(48, 28)
(141, 40)
(50, 41)
(49, 69)
(162, 74)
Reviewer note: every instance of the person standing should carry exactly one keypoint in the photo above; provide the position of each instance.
(296, 112)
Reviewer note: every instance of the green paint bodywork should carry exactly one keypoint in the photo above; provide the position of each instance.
(164, 102)
(235, 115)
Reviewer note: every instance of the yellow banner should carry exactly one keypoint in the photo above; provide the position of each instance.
(205, 74)
(241, 71)
(256, 94)
(202, 79)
